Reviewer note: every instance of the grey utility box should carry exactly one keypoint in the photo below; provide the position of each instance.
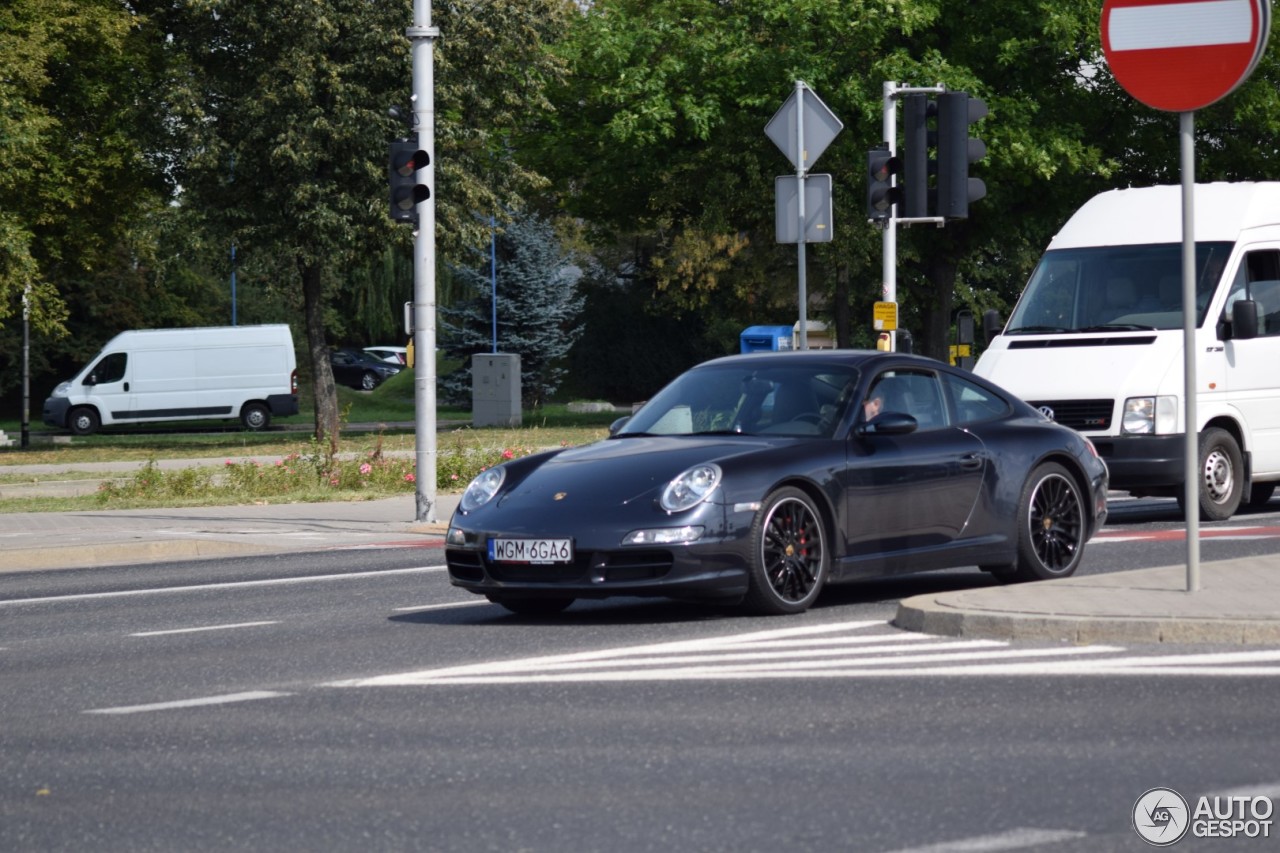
(495, 390)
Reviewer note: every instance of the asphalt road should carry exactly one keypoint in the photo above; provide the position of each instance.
(353, 700)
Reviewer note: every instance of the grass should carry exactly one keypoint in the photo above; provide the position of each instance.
(374, 459)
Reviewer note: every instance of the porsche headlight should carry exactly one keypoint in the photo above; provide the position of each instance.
(690, 488)
(482, 489)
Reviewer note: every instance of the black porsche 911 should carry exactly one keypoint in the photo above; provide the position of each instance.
(763, 477)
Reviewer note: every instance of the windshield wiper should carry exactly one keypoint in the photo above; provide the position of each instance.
(718, 432)
(1122, 327)
(1035, 330)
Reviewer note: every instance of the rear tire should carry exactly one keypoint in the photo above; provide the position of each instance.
(531, 606)
(83, 421)
(255, 416)
(1051, 526)
(789, 562)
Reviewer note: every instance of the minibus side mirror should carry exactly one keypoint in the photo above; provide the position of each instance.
(1244, 321)
(992, 323)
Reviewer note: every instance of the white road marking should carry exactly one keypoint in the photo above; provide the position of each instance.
(829, 651)
(422, 607)
(1013, 839)
(228, 699)
(204, 587)
(204, 628)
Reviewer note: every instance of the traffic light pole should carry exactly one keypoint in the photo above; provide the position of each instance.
(422, 36)
(892, 91)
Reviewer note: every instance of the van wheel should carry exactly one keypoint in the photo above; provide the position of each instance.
(1220, 467)
(84, 421)
(369, 381)
(255, 416)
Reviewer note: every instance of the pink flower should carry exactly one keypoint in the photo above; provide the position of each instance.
(507, 454)
(229, 462)
(279, 463)
(409, 478)
(453, 477)
(366, 468)
(333, 481)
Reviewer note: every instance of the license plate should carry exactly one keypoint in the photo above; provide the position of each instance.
(536, 551)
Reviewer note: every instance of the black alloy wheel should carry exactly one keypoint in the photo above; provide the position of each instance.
(789, 560)
(1051, 525)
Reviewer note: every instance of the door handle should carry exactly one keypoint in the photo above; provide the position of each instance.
(971, 461)
(126, 386)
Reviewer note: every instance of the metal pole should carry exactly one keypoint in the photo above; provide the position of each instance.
(422, 37)
(1191, 495)
(493, 276)
(802, 158)
(233, 282)
(26, 366)
(889, 240)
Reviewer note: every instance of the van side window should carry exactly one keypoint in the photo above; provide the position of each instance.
(1259, 279)
(109, 369)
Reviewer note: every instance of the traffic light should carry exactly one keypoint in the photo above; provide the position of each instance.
(956, 150)
(916, 142)
(881, 194)
(403, 164)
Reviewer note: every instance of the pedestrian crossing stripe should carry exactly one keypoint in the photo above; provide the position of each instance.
(865, 649)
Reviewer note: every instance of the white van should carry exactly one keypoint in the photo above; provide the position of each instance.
(245, 372)
(1096, 339)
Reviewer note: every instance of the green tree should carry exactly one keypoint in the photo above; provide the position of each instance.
(538, 305)
(294, 95)
(84, 185)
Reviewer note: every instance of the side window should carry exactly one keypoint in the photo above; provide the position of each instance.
(109, 369)
(1259, 279)
(912, 392)
(972, 403)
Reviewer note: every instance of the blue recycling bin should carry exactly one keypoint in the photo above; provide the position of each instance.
(765, 338)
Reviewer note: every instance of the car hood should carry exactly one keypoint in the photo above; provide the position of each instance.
(620, 471)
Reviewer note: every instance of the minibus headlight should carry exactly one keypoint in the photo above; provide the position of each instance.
(1150, 416)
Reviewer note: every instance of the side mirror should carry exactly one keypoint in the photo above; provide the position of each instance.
(618, 424)
(992, 323)
(1244, 320)
(887, 423)
(91, 379)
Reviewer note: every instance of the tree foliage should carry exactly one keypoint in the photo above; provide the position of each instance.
(535, 283)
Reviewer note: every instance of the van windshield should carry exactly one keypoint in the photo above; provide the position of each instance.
(1115, 288)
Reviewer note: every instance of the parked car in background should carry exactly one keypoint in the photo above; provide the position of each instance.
(760, 478)
(360, 370)
(393, 355)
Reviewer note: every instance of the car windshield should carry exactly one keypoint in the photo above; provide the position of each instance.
(803, 399)
(1115, 288)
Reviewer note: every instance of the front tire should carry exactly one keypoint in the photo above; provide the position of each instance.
(83, 421)
(368, 381)
(1052, 526)
(789, 562)
(1220, 487)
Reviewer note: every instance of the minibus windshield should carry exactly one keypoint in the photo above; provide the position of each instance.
(1115, 288)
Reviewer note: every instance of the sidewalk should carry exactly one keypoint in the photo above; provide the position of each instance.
(1238, 602)
(91, 538)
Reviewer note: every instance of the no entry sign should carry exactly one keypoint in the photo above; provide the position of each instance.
(1181, 55)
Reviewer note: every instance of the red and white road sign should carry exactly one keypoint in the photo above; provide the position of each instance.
(1181, 55)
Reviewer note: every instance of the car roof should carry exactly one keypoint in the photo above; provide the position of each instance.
(862, 359)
